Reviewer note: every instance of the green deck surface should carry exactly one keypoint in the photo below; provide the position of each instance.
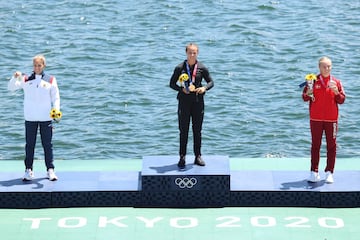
(300, 164)
(177, 224)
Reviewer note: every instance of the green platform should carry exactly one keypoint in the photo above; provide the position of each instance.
(177, 224)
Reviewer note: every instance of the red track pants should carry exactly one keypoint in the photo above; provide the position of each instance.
(317, 128)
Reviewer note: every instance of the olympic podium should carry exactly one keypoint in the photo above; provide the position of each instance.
(164, 184)
(156, 181)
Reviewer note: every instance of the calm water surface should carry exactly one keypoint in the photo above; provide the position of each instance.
(113, 61)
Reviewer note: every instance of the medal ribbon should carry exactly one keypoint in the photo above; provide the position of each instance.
(322, 80)
(193, 75)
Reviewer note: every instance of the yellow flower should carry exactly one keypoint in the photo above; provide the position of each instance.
(55, 113)
(183, 78)
(310, 76)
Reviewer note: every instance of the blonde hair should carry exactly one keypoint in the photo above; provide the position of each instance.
(41, 58)
(324, 59)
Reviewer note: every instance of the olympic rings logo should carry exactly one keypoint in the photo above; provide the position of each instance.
(185, 182)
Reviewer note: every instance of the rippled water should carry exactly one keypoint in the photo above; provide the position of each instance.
(113, 61)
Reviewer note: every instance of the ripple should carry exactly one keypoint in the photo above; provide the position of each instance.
(113, 61)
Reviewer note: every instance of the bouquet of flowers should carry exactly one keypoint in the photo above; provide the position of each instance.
(184, 82)
(310, 77)
(309, 82)
(183, 78)
(56, 115)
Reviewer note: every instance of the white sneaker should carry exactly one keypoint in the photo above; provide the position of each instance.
(29, 175)
(51, 175)
(329, 177)
(314, 177)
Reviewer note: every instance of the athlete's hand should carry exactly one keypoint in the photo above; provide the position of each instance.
(17, 74)
(200, 90)
(309, 92)
(334, 88)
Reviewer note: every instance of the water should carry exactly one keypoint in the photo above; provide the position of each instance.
(113, 61)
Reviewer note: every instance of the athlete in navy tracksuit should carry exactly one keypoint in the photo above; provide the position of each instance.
(191, 101)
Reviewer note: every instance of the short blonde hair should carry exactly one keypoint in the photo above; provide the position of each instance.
(41, 58)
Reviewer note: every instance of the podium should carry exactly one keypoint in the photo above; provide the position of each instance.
(164, 184)
(158, 182)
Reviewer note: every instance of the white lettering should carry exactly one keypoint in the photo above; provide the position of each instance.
(298, 222)
(323, 222)
(192, 222)
(268, 221)
(149, 223)
(35, 222)
(78, 222)
(103, 221)
(228, 222)
(185, 222)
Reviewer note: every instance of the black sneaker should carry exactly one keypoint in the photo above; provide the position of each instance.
(181, 163)
(199, 161)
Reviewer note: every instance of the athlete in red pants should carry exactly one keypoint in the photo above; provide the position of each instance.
(323, 98)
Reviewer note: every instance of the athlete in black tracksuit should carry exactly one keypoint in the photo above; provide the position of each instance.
(191, 102)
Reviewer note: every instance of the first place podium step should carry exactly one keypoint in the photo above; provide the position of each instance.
(164, 184)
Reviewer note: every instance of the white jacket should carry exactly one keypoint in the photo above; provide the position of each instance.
(40, 96)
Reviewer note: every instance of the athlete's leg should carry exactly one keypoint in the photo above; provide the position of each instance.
(184, 122)
(30, 136)
(316, 128)
(331, 132)
(46, 132)
(197, 121)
